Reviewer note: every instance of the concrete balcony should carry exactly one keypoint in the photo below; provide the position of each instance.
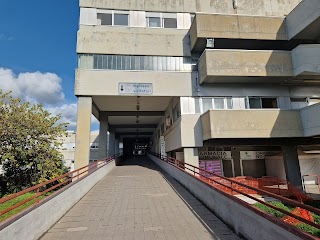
(133, 41)
(186, 131)
(235, 27)
(253, 123)
(243, 66)
(304, 21)
(306, 61)
(310, 117)
(106, 82)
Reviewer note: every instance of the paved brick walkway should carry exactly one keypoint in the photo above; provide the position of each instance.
(138, 201)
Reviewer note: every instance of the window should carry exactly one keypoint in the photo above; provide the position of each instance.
(314, 101)
(197, 105)
(153, 22)
(170, 23)
(121, 19)
(207, 104)
(218, 103)
(192, 16)
(229, 103)
(126, 62)
(176, 112)
(94, 145)
(105, 18)
(297, 103)
(161, 20)
(256, 102)
(112, 18)
(212, 103)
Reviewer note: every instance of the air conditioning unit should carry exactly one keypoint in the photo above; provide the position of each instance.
(168, 122)
(210, 43)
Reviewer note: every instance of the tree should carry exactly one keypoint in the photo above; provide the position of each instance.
(30, 138)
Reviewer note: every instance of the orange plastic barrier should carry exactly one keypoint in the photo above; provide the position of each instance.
(271, 184)
(305, 214)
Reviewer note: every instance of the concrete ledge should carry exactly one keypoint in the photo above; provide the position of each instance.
(245, 222)
(310, 117)
(35, 223)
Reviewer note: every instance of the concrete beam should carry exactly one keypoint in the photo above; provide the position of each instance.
(134, 113)
(261, 141)
(134, 133)
(134, 126)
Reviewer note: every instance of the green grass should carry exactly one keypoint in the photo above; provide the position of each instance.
(14, 201)
(305, 227)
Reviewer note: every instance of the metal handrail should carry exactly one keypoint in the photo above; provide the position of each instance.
(64, 179)
(182, 166)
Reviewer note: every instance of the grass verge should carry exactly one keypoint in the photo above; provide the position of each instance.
(14, 201)
(305, 227)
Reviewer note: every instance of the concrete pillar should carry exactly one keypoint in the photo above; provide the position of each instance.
(112, 139)
(191, 156)
(82, 150)
(292, 166)
(103, 137)
(116, 146)
(235, 153)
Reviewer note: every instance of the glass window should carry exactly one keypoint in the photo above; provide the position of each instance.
(170, 23)
(218, 103)
(207, 104)
(269, 103)
(229, 103)
(153, 22)
(105, 18)
(255, 102)
(121, 19)
(197, 105)
(192, 16)
(314, 101)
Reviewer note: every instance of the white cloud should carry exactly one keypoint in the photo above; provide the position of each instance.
(35, 87)
(69, 115)
(44, 88)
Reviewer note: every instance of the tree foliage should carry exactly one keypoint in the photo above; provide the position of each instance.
(29, 144)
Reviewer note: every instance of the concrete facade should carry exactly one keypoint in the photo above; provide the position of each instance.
(219, 77)
(69, 145)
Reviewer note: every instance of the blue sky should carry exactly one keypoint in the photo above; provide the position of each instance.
(38, 52)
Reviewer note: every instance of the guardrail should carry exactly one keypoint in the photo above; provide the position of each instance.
(57, 183)
(233, 186)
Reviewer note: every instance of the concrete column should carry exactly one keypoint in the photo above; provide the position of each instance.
(82, 150)
(236, 161)
(191, 156)
(103, 137)
(116, 146)
(112, 139)
(292, 166)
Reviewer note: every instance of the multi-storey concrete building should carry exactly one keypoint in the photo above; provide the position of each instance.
(68, 149)
(230, 81)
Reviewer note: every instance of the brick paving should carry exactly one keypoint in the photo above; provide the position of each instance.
(138, 201)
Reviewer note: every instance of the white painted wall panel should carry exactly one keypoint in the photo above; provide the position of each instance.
(88, 16)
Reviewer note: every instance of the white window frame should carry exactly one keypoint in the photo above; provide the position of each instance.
(113, 12)
(162, 16)
(248, 102)
(225, 104)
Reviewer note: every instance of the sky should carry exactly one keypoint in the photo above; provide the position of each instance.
(38, 53)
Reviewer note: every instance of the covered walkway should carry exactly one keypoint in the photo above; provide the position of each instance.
(139, 201)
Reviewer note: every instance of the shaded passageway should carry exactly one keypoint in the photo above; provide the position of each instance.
(138, 201)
